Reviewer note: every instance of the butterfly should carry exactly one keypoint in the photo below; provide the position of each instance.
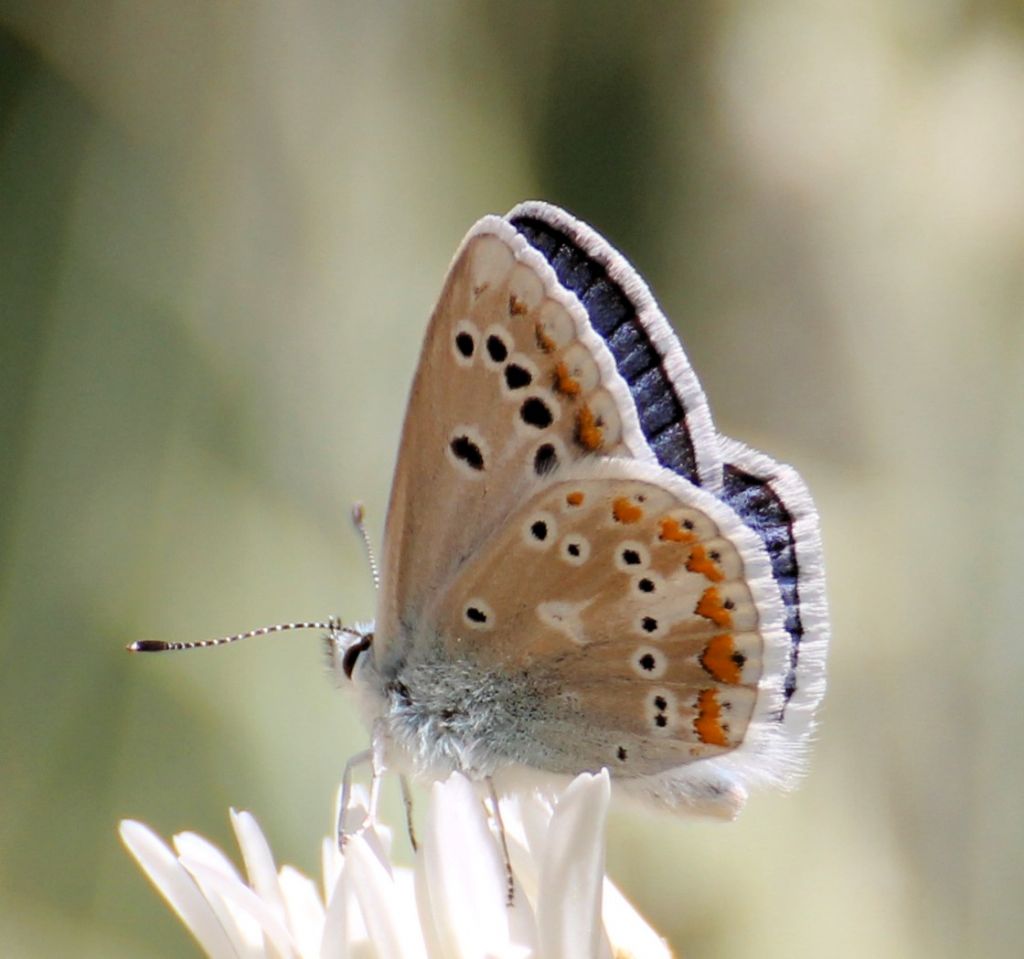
(578, 571)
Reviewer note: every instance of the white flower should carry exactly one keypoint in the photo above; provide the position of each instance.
(451, 905)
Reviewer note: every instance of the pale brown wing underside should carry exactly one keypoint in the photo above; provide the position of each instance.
(622, 593)
(512, 384)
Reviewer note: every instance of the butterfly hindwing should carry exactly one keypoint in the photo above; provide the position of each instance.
(642, 609)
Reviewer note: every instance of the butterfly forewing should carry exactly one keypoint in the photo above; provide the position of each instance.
(639, 605)
(512, 385)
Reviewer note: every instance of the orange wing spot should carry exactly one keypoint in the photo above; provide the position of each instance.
(624, 510)
(721, 660)
(711, 607)
(516, 307)
(544, 341)
(700, 562)
(564, 383)
(708, 724)
(588, 433)
(575, 498)
(671, 531)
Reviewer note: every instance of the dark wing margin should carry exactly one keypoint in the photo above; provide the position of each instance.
(615, 310)
(769, 497)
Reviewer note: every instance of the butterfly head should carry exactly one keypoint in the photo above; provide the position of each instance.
(347, 646)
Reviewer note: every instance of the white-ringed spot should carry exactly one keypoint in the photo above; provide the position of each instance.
(467, 451)
(648, 662)
(536, 412)
(632, 556)
(574, 549)
(497, 345)
(540, 530)
(465, 340)
(519, 373)
(477, 614)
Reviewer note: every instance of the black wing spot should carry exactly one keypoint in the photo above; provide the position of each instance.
(539, 529)
(661, 720)
(646, 585)
(621, 754)
(631, 557)
(475, 615)
(464, 344)
(573, 549)
(545, 459)
(516, 376)
(648, 662)
(660, 703)
(649, 624)
(535, 412)
(496, 349)
(467, 451)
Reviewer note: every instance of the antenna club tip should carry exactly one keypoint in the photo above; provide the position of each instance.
(147, 646)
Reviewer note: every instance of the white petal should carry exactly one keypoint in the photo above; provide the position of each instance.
(391, 924)
(239, 896)
(343, 922)
(200, 849)
(245, 932)
(259, 861)
(630, 935)
(178, 888)
(572, 873)
(305, 911)
(465, 876)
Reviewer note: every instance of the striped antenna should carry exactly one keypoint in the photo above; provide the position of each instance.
(159, 646)
(359, 521)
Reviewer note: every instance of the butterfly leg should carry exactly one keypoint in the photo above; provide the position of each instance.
(500, 823)
(359, 759)
(407, 802)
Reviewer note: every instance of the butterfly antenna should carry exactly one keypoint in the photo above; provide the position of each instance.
(159, 646)
(359, 521)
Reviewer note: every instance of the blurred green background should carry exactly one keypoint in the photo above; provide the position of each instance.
(222, 229)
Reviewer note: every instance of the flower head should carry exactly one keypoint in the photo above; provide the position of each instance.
(452, 903)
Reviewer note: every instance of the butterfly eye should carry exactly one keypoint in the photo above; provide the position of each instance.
(352, 654)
